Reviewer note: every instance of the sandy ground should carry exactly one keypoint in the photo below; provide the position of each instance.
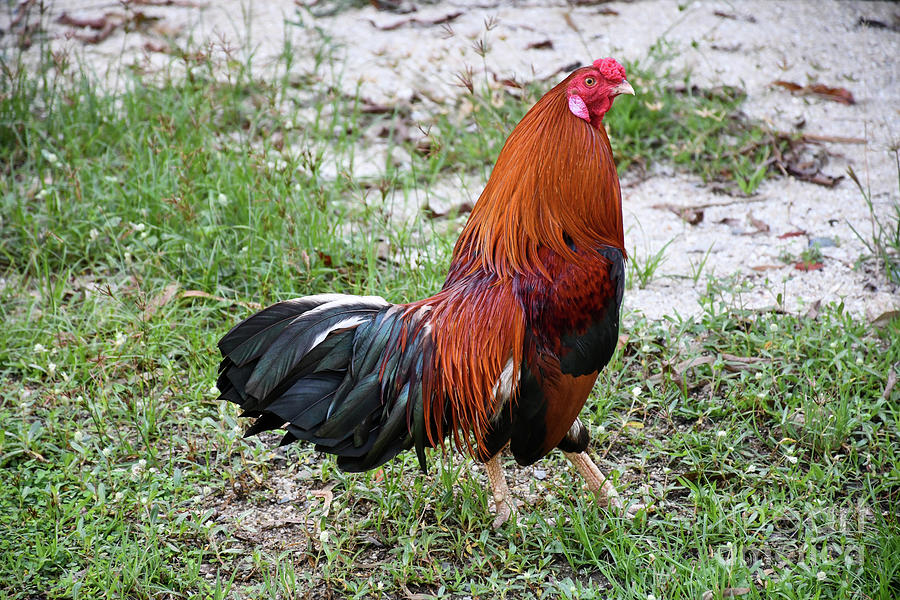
(395, 57)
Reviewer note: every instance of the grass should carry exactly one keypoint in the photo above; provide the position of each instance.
(771, 463)
(883, 240)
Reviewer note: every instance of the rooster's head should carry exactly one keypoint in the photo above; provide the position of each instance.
(591, 90)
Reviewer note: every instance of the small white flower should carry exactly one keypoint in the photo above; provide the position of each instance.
(42, 194)
(38, 348)
(127, 257)
(323, 536)
(646, 348)
(51, 369)
(859, 361)
(186, 410)
(107, 451)
(721, 433)
(142, 463)
(636, 391)
(111, 178)
(138, 226)
(236, 430)
(773, 326)
(792, 459)
(214, 391)
(121, 338)
(762, 394)
(118, 496)
(833, 345)
(758, 375)
(821, 576)
(50, 157)
(93, 234)
(223, 199)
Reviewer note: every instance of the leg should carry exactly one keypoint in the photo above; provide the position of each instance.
(503, 501)
(596, 482)
(602, 488)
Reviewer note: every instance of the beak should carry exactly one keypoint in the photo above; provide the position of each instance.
(623, 88)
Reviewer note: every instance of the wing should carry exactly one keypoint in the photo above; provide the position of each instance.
(571, 333)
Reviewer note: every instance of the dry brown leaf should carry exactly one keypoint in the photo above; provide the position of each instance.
(734, 16)
(202, 294)
(159, 301)
(542, 45)
(92, 23)
(761, 226)
(448, 18)
(885, 318)
(808, 266)
(689, 214)
(762, 268)
(791, 234)
(835, 94)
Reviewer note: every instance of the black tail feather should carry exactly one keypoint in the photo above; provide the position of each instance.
(330, 370)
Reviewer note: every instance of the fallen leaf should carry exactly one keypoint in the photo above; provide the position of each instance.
(159, 301)
(875, 24)
(92, 23)
(766, 267)
(688, 214)
(808, 266)
(761, 226)
(791, 234)
(448, 18)
(835, 94)
(885, 318)
(734, 17)
(400, 7)
(325, 258)
(543, 45)
(819, 178)
(202, 294)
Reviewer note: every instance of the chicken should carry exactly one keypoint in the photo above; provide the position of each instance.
(505, 354)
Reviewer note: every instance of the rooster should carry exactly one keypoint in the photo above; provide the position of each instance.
(505, 354)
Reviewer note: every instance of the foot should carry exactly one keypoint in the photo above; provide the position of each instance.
(606, 494)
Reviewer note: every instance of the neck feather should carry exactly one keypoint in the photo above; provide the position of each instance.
(554, 181)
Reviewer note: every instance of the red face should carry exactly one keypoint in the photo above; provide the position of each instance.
(592, 90)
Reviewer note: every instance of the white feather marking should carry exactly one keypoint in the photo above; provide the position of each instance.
(337, 300)
(505, 385)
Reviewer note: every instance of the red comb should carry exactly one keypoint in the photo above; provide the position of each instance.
(610, 69)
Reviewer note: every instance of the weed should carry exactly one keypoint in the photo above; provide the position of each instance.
(883, 242)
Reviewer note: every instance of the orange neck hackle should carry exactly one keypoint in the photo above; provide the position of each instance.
(554, 184)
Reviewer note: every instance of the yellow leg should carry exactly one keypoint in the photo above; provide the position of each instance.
(596, 482)
(503, 500)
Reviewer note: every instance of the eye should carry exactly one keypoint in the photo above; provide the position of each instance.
(590, 81)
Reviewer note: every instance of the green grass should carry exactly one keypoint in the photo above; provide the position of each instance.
(121, 476)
